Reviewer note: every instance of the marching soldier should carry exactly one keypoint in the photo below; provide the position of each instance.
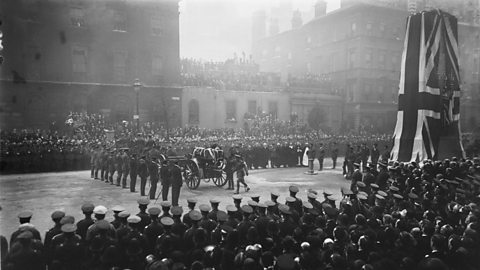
(165, 179)
(176, 181)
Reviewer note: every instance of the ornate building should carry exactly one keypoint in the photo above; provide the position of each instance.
(358, 48)
(72, 55)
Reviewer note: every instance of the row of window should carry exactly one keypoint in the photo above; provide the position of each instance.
(79, 60)
(231, 110)
(78, 19)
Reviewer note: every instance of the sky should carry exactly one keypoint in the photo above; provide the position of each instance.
(216, 29)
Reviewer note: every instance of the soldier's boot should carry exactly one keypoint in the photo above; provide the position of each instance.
(238, 187)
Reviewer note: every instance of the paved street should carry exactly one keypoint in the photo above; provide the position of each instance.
(46, 192)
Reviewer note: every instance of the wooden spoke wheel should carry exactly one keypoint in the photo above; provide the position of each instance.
(192, 178)
(221, 178)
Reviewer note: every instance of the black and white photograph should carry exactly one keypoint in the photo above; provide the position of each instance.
(240, 134)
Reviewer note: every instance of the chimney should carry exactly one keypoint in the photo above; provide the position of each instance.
(320, 8)
(274, 28)
(297, 19)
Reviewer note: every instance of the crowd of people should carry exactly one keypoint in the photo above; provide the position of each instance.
(69, 147)
(404, 216)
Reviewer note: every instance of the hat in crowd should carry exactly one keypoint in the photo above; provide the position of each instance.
(103, 224)
(25, 235)
(361, 196)
(214, 201)
(255, 197)
(327, 193)
(68, 228)
(143, 201)
(361, 184)
(100, 210)
(275, 194)
(124, 214)
(270, 203)
(394, 189)
(347, 191)
(118, 208)
(154, 211)
(165, 204)
(290, 199)
(67, 220)
(87, 208)
(252, 203)
(25, 214)
(134, 219)
(205, 208)
(331, 198)
(398, 196)
(166, 221)
(261, 205)
(284, 209)
(247, 209)
(222, 216)
(373, 185)
(382, 193)
(237, 197)
(192, 201)
(412, 196)
(58, 214)
(231, 208)
(312, 196)
(307, 205)
(176, 210)
(379, 197)
(195, 215)
(293, 189)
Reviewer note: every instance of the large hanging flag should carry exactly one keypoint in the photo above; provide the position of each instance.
(429, 94)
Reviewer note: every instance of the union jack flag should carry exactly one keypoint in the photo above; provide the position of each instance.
(429, 92)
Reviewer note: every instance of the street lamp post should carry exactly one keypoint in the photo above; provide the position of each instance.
(136, 87)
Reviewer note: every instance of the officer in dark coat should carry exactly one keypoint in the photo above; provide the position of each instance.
(69, 252)
(56, 217)
(374, 154)
(145, 218)
(153, 171)
(26, 253)
(165, 179)
(82, 225)
(153, 230)
(383, 176)
(25, 225)
(321, 156)
(334, 153)
(143, 173)
(133, 171)
(176, 180)
(356, 177)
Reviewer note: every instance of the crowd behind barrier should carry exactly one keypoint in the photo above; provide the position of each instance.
(69, 147)
(402, 216)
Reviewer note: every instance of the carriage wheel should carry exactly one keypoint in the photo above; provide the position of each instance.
(191, 176)
(221, 179)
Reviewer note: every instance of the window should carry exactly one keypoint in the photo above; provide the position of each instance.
(231, 110)
(79, 60)
(381, 60)
(351, 58)
(77, 17)
(157, 65)
(119, 22)
(273, 109)
(119, 65)
(368, 57)
(193, 112)
(157, 27)
(252, 106)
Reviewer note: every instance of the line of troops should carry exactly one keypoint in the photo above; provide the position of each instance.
(121, 168)
(46, 157)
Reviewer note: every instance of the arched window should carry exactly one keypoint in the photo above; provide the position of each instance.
(193, 112)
